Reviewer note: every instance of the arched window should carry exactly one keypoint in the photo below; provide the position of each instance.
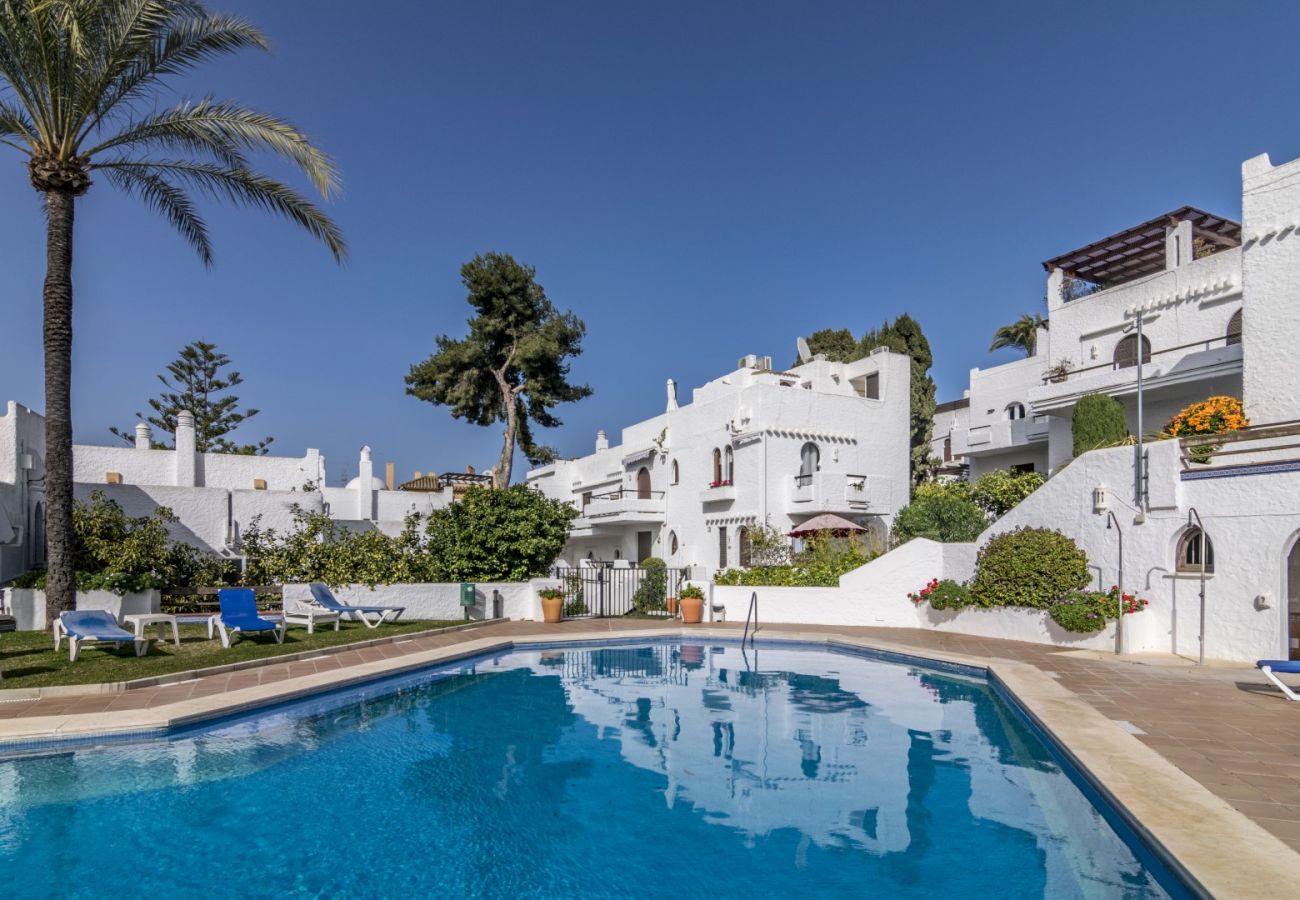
(1015, 411)
(672, 543)
(643, 484)
(676, 472)
(1190, 547)
(1234, 329)
(742, 537)
(809, 462)
(728, 465)
(717, 466)
(1126, 351)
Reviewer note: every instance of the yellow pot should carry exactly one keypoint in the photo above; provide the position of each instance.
(552, 607)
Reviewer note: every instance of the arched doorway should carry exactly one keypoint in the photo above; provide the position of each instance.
(643, 484)
(1293, 601)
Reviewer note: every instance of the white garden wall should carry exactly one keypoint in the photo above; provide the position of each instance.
(518, 600)
(27, 606)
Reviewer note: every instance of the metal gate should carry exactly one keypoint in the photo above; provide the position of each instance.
(603, 591)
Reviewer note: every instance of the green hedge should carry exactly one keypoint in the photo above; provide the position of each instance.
(1032, 567)
(1098, 421)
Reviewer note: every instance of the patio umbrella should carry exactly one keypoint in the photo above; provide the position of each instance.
(839, 525)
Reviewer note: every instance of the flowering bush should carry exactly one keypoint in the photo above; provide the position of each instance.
(942, 594)
(1213, 416)
(1086, 611)
(551, 593)
(725, 482)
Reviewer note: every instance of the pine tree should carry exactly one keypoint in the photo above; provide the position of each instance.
(192, 383)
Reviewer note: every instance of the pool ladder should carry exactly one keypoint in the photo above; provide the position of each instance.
(752, 611)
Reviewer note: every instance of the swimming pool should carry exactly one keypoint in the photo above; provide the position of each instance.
(646, 769)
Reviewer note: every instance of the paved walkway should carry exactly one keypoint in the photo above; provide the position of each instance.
(1225, 727)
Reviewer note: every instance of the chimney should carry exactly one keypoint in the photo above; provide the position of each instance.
(143, 436)
(418, 475)
(602, 442)
(365, 485)
(672, 395)
(388, 475)
(186, 450)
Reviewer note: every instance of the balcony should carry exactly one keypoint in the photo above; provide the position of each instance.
(625, 506)
(832, 492)
(1164, 368)
(1005, 434)
(721, 492)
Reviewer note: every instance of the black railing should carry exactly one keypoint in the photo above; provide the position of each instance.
(1057, 375)
(802, 480)
(604, 591)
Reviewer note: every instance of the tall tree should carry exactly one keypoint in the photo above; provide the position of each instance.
(513, 366)
(194, 384)
(1021, 334)
(837, 345)
(82, 88)
(904, 335)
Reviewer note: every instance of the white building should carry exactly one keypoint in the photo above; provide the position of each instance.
(1186, 271)
(214, 495)
(755, 447)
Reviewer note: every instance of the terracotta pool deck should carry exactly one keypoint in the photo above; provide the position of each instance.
(1225, 727)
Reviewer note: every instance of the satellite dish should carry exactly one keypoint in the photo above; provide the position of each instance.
(805, 354)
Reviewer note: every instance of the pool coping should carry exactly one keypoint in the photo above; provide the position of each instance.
(1216, 850)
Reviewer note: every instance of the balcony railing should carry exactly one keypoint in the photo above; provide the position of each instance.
(1058, 375)
(629, 494)
(1276, 444)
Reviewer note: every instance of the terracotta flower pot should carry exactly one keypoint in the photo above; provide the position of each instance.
(552, 607)
(692, 610)
(672, 605)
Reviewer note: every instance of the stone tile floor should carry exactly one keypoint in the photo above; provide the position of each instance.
(1225, 727)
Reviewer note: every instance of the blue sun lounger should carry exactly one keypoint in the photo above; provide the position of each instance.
(325, 598)
(82, 625)
(1273, 667)
(239, 614)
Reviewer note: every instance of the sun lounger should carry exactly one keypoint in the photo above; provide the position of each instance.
(99, 625)
(239, 615)
(373, 616)
(1273, 667)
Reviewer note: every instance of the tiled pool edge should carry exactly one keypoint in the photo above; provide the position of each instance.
(1216, 850)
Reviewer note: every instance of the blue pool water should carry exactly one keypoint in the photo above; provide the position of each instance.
(648, 770)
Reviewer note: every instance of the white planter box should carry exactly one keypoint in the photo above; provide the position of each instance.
(27, 605)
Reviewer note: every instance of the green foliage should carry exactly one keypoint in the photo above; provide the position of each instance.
(510, 534)
(692, 592)
(1032, 567)
(576, 604)
(999, 491)
(1082, 611)
(1021, 334)
(194, 383)
(943, 594)
(1098, 421)
(127, 554)
(820, 564)
(941, 511)
(768, 547)
(513, 366)
(651, 592)
(837, 345)
(488, 535)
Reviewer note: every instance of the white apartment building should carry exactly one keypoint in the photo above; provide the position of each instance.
(1185, 271)
(214, 495)
(754, 447)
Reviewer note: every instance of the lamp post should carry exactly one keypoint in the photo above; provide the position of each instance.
(1201, 545)
(1137, 448)
(1119, 623)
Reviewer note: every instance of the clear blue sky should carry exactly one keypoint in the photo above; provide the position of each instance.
(696, 180)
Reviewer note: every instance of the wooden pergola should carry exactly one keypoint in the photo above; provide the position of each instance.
(1140, 250)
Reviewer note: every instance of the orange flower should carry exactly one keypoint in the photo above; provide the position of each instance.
(1211, 416)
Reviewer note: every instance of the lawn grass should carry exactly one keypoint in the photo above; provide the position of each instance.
(27, 658)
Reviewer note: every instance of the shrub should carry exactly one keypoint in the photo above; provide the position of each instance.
(651, 593)
(1212, 416)
(1000, 491)
(943, 594)
(509, 534)
(820, 564)
(942, 511)
(576, 605)
(1031, 567)
(1098, 421)
(1087, 611)
(691, 592)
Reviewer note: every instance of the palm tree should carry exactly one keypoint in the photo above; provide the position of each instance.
(80, 91)
(1022, 334)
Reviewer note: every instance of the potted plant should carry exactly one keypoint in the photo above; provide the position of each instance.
(552, 603)
(671, 603)
(691, 601)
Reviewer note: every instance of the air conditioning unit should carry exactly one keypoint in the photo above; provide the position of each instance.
(766, 363)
